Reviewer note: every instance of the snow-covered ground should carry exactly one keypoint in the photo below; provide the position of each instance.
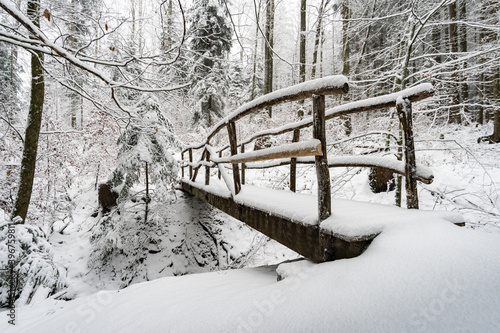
(424, 275)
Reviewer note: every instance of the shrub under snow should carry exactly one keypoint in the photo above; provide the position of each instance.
(27, 266)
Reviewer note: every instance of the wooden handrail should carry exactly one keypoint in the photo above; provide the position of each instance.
(414, 94)
(423, 173)
(330, 85)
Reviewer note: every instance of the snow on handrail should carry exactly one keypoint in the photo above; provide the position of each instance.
(335, 84)
(297, 149)
(414, 94)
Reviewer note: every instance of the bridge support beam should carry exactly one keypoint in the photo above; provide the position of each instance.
(406, 118)
(231, 130)
(322, 172)
(307, 240)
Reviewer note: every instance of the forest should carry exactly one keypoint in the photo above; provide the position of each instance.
(99, 98)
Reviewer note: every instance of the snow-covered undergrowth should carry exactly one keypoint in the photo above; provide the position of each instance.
(28, 270)
(181, 237)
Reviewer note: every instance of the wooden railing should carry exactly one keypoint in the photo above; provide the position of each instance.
(302, 151)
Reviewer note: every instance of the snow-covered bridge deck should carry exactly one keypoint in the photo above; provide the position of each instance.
(292, 219)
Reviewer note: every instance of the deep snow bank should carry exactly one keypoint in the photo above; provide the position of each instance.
(426, 276)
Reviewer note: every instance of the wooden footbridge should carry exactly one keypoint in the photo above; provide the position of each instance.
(306, 224)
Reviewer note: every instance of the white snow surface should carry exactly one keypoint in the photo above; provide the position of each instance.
(422, 276)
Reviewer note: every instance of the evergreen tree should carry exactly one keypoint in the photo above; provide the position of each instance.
(10, 83)
(123, 236)
(210, 33)
(145, 143)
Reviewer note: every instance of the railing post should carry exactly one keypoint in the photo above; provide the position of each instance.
(207, 169)
(406, 118)
(322, 172)
(190, 161)
(293, 163)
(218, 172)
(182, 168)
(231, 130)
(243, 167)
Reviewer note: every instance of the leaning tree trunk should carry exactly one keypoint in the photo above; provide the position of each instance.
(28, 162)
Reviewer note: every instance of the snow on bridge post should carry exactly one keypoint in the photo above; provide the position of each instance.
(403, 106)
(322, 172)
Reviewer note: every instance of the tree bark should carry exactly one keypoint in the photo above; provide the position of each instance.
(346, 68)
(303, 28)
(318, 37)
(146, 209)
(454, 113)
(268, 51)
(464, 86)
(28, 163)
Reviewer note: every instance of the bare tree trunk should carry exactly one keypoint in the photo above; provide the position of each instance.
(146, 210)
(317, 39)
(454, 113)
(169, 25)
(303, 27)
(346, 68)
(268, 51)
(464, 86)
(28, 163)
(346, 16)
(495, 137)
(256, 46)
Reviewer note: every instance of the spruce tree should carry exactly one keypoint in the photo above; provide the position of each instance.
(210, 33)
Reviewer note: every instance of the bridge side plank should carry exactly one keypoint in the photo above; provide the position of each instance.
(308, 240)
